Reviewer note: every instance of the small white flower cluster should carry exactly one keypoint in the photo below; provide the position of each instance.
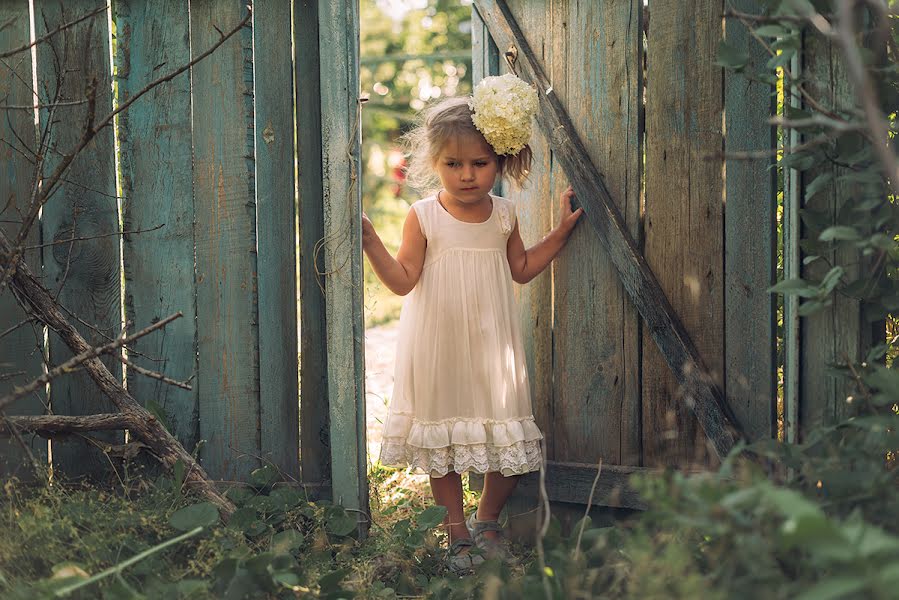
(504, 107)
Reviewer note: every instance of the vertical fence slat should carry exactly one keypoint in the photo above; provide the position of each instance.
(276, 218)
(157, 173)
(339, 55)
(84, 275)
(837, 332)
(597, 371)
(21, 349)
(750, 236)
(224, 200)
(315, 423)
(684, 213)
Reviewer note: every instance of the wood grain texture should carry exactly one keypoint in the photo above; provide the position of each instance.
(535, 208)
(83, 275)
(157, 179)
(341, 170)
(597, 376)
(20, 351)
(837, 333)
(684, 215)
(572, 482)
(225, 233)
(315, 424)
(276, 225)
(750, 234)
(702, 395)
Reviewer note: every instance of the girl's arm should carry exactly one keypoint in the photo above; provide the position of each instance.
(527, 264)
(400, 274)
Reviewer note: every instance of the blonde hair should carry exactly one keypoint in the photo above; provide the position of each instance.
(442, 122)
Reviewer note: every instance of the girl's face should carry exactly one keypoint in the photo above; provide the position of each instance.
(467, 168)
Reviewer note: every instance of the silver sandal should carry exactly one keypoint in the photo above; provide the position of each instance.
(491, 547)
(463, 564)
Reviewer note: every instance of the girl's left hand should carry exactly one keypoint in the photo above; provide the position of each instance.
(567, 217)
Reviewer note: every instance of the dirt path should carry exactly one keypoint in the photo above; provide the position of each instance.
(380, 351)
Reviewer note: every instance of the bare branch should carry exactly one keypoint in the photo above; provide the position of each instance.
(69, 365)
(154, 375)
(93, 237)
(65, 423)
(47, 36)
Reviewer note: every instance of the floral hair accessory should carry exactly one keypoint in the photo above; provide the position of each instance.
(503, 108)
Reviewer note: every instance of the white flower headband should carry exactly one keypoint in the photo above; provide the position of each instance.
(503, 109)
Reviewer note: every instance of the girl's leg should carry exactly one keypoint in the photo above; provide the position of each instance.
(497, 490)
(447, 491)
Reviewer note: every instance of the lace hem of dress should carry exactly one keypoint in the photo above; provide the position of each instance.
(518, 458)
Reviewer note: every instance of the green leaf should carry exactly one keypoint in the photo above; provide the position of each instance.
(883, 379)
(818, 184)
(286, 541)
(796, 286)
(731, 57)
(831, 280)
(772, 31)
(338, 521)
(811, 307)
(781, 59)
(839, 233)
(203, 514)
(287, 579)
(430, 517)
(832, 588)
(331, 581)
(264, 476)
(179, 475)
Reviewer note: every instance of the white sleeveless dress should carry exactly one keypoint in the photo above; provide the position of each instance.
(461, 399)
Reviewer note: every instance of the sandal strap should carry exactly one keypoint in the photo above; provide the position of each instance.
(478, 527)
(459, 544)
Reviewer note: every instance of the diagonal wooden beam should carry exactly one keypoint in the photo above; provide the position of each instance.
(701, 394)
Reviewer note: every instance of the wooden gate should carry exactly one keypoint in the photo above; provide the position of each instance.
(655, 115)
(198, 182)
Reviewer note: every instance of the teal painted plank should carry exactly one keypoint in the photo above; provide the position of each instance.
(596, 410)
(276, 225)
(156, 167)
(315, 422)
(341, 168)
(84, 274)
(20, 350)
(225, 234)
(684, 214)
(750, 235)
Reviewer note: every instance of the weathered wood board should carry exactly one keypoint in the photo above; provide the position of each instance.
(157, 178)
(341, 171)
(750, 237)
(596, 376)
(315, 428)
(277, 234)
(84, 274)
(225, 234)
(684, 214)
(21, 349)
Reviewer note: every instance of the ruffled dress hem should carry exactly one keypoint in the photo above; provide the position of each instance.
(511, 447)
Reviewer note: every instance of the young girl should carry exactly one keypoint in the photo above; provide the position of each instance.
(461, 398)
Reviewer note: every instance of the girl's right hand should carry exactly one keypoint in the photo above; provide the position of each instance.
(368, 230)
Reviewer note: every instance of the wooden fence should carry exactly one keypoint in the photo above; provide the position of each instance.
(198, 181)
(201, 172)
